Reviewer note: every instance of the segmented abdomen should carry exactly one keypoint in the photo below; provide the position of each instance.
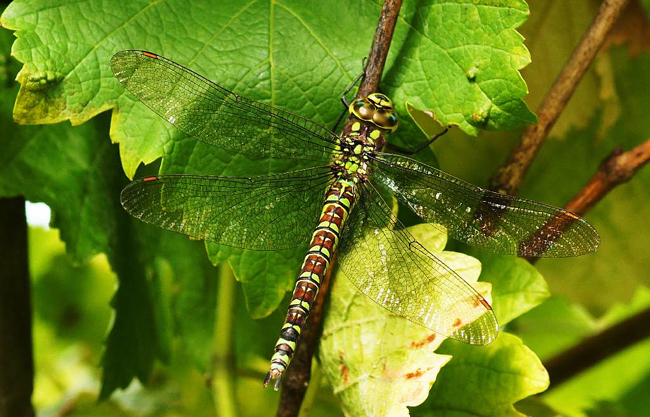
(338, 203)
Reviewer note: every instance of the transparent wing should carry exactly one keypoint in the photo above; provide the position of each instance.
(268, 212)
(394, 270)
(216, 116)
(494, 222)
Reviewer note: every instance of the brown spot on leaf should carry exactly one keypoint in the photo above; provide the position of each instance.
(415, 374)
(457, 322)
(420, 343)
(345, 372)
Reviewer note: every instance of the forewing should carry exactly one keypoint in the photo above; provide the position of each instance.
(270, 212)
(216, 116)
(388, 265)
(496, 223)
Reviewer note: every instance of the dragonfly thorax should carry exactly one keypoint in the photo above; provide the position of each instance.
(358, 145)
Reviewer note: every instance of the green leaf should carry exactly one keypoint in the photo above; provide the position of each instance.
(461, 60)
(485, 380)
(251, 47)
(553, 326)
(517, 286)
(586, 389)
(379, 363)
(76, 172)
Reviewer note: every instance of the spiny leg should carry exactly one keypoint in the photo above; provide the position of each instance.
(345, 101)
(353, 83)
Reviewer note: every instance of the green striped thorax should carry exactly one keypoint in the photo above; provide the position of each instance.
(364, 137)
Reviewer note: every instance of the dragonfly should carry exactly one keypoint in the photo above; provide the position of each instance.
(337, 204)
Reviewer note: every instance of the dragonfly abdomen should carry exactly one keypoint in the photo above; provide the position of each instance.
(338, 203)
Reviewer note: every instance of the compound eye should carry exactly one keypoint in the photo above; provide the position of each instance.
(391, 122)
(363, 109)
(385, 119)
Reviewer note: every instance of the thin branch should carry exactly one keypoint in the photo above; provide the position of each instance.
(598, 347)
(379, 48)
(16, 362)
(616, 169)
(297, 379)
(508, 178)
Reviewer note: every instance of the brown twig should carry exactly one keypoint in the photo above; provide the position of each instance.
(379, 48)
(598, 347)
(297, 378)
(508, 178)
(616, 169)
(16, 363)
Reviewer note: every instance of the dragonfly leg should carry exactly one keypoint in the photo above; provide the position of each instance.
(406, 151)
(352, 84)
(344, 100)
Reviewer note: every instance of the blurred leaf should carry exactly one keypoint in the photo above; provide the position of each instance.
(606, 409)
(554, 326)
(379, 363)
(533, 406)
(646, 4)
(636, 401)
(623, 252)
(554, 30)
(72, 300)
(585, 390)
(85, 404)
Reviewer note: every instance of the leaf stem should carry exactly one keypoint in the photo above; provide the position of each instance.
(509, 177)
(223, 386)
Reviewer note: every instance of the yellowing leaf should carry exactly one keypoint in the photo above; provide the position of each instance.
(379, 363)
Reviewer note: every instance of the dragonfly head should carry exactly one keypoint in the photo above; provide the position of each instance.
(377, 109)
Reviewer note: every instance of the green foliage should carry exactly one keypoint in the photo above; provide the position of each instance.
(459, 59)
